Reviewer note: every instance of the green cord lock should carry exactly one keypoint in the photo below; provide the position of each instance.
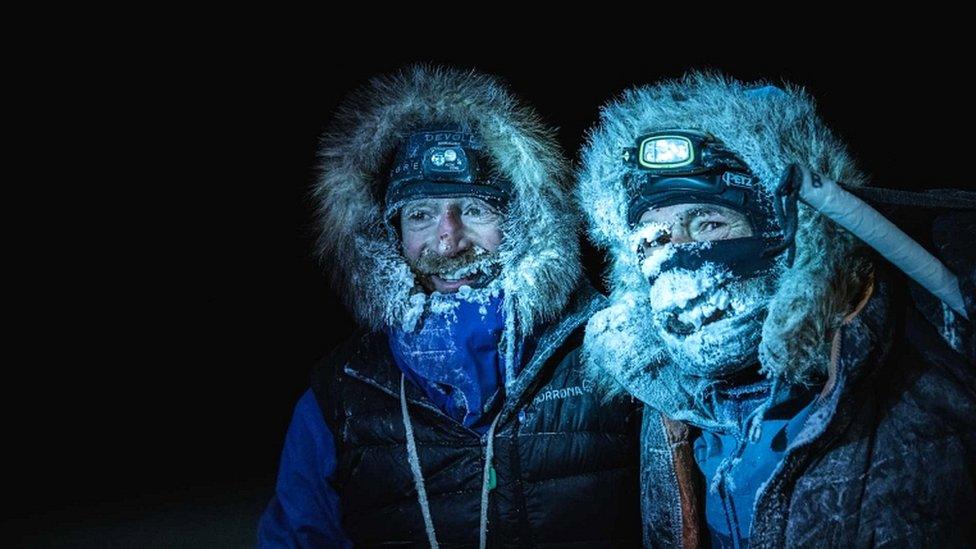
(492, 478)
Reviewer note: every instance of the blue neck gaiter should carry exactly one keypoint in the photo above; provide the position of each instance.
(454, 355)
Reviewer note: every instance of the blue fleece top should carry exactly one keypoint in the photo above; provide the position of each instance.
(729, 509)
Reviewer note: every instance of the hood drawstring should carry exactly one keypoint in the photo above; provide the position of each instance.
(414, 458)
(487, 482)
(509, 338)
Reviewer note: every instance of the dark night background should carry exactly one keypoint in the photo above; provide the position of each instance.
(186, 334)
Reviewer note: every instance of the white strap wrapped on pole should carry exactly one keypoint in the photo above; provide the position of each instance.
(874, 229)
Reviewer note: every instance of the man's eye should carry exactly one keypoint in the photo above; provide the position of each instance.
(708, 229)
(417, 216)
(480, 213)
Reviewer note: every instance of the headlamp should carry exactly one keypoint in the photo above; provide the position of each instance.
(442, 160)
(440, 163)
(680, 166)
(666, 151)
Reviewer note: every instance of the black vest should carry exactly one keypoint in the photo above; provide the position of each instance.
(566, 464)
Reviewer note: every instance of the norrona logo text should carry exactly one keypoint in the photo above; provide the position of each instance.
(556, 394)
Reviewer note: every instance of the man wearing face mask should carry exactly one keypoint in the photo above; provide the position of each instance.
(458, 415)
(796, 394)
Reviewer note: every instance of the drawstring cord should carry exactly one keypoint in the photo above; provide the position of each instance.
(487, 482)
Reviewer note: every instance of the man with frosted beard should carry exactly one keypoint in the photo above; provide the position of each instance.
(458, 414)
(799, 391)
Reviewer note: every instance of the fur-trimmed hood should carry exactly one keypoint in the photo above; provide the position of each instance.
(769, 128)
(539, 251)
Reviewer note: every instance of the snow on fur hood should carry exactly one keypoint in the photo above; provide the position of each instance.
(539, 251)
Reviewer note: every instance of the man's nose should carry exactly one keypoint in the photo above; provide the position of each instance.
(451, 234)
(680, 236)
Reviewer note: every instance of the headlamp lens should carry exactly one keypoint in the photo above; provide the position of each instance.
(445, 160)
(666, 151)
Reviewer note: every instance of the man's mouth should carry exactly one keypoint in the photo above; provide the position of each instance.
(473, 274)
(469, 271)
(676, 326)
(699, 312)
(443, 285)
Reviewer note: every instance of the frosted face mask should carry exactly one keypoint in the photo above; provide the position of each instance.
(709, 285)
(709, 319)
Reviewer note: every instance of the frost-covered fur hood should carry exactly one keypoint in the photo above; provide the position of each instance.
(769, 129)
(539, 251)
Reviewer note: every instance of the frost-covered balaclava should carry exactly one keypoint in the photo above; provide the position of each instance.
(707, 297)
